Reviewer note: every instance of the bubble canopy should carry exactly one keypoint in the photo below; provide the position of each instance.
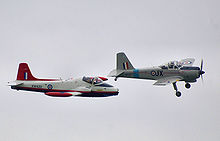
(94, 80)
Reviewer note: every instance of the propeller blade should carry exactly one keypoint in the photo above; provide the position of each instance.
(201, 70)
(202, 79)
(201, 65)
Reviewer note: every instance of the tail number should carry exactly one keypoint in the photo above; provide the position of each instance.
(36, 86)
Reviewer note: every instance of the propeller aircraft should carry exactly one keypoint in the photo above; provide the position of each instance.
(169, 73)
(83, 87)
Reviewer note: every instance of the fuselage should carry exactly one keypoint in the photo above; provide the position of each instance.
(189, 74)
(77, 86)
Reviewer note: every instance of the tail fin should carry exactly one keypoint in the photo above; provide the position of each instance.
(24, 73)
(122, 62)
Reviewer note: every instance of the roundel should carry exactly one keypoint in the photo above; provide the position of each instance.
(153, 73)
(50, 87)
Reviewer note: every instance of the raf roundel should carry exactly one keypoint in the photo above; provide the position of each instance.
(153, 73)
(50, 87)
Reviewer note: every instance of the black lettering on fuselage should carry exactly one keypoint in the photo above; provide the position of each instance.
(36, 86)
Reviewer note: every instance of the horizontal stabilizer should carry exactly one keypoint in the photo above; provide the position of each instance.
(115, 73)
(14, 83)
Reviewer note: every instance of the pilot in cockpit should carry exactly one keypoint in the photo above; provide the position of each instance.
(174, 65)
(91, 80)
(171, 65)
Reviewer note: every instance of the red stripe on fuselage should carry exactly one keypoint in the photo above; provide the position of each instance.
(44, 80)
(56, 90)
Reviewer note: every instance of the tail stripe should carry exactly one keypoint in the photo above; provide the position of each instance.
(25, 76)
(125, 65)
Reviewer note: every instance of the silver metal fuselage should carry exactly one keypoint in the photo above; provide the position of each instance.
(156, 73)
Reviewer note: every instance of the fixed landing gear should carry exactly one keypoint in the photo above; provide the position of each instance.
(116, 78)
(178, 93)
(187, 85)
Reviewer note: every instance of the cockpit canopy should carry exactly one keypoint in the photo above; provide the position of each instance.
(171, 65)
(94, 80)
(178, 64)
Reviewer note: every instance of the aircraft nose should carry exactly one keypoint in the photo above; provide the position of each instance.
(202, 72)
(116, 90)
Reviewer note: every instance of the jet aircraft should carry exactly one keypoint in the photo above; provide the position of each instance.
(168, 73)
(83, 87)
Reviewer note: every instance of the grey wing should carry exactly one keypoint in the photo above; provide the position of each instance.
(187, 62)
(167, 80)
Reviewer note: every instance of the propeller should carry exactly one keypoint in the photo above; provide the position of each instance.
(201, 72)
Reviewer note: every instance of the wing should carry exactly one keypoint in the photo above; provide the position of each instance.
(167, 80)
(187, 62)
(62, 94)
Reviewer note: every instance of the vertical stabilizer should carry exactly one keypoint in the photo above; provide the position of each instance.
(122, 62)
(24, 72)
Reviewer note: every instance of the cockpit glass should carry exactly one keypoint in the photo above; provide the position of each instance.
(171, 65)
(94, 80)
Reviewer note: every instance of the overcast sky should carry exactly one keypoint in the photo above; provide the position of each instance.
(68, 38)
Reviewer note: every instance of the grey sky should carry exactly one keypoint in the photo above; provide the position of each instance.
(75, 38)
